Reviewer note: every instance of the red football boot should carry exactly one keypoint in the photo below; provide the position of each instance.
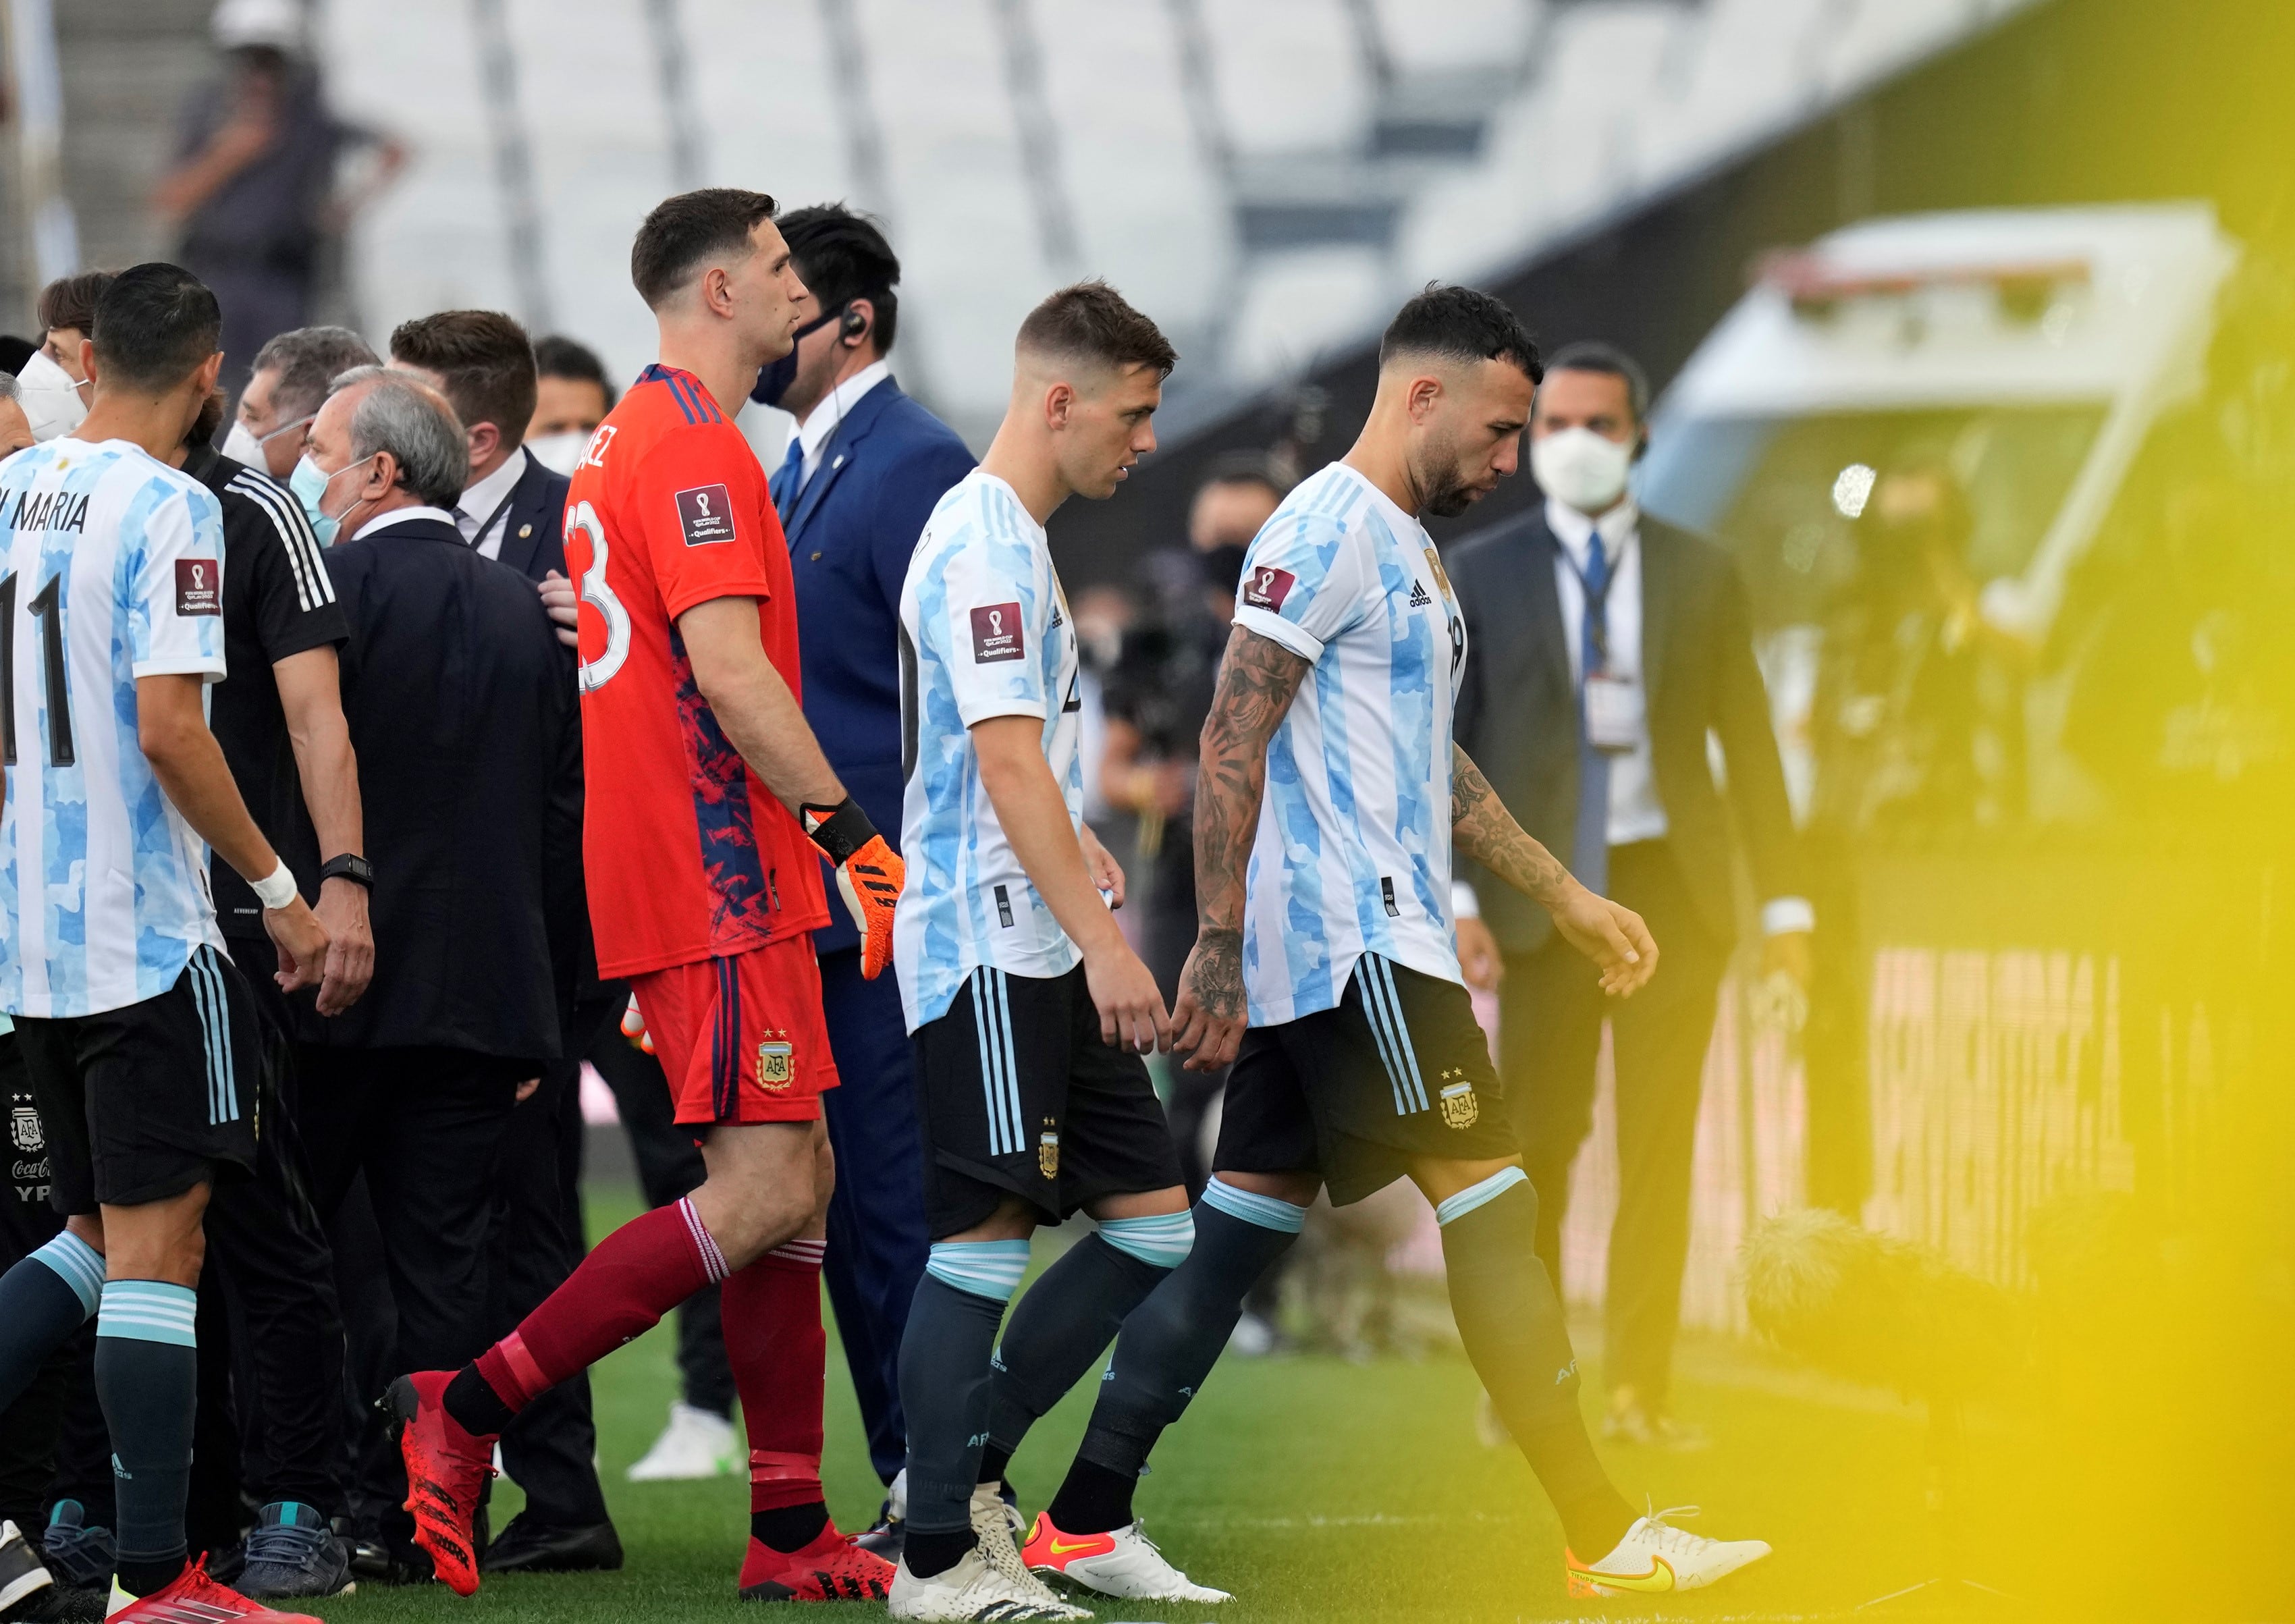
(446, 1468)
(831, 1569)
(192, 1595)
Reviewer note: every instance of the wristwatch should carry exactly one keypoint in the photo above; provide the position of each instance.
(349, 866)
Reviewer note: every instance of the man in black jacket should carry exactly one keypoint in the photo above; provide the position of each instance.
(1608, 645)
(512, 508)
(463, 716)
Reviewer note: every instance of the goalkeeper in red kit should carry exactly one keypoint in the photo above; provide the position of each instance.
(709, 806)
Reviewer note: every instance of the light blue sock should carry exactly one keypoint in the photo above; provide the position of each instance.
(1265, 1211)
(43, 1298)
(1456, 1207)
(147, 1376)
(985, 1268)
(1160, 1240)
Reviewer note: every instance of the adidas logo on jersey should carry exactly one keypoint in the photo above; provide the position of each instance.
(1419, 598)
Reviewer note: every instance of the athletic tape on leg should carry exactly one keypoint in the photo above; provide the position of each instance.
(1162, 1239)
(80, 1265)
(985, 1268)
(1265, 1211)
(1479, 1194)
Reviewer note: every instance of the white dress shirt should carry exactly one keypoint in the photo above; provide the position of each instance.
(813, 433)
(480, 503)
(1635, 812)
(399, 516)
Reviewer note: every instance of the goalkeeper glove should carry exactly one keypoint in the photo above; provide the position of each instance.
(869, 875)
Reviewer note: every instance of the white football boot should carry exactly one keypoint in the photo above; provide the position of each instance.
(695, 1444)
(1000, 1529)
(1123, 1562)
(1655, 1557)
(971, 1592)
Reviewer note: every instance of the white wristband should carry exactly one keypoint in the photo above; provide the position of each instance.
(277, 891)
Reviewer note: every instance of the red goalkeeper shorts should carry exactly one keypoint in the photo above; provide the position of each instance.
(742, 1039)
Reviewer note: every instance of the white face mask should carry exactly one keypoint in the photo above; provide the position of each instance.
(52, 400)
(241, 445)
(560, 453)
(1581, 469)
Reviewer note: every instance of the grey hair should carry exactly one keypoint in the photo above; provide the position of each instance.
(10, 389)
(308, 360)
(412, 422)
(1593, 355)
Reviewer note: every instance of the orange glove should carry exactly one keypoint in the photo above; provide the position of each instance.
(869, 875)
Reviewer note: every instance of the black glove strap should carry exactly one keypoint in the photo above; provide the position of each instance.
(838, 830)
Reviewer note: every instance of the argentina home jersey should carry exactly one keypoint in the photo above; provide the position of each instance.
(1353, 850)
(110, 569)
(984, 632)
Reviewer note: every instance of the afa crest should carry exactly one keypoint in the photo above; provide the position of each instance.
(1460, 1108)
(776, 1063)
(1047, 1153)
(25, 1130)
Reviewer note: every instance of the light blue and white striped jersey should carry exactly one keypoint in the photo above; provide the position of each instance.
(984, 632)
(1353, 850)
(113, 570)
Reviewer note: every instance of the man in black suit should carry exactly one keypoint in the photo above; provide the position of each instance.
(461, 710)
(1607, 647)
(513, 510)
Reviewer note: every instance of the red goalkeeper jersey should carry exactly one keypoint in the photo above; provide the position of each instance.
(688, 856)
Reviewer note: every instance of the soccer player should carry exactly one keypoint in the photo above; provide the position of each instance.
(140, 1036)
(1028, 1009)
(1331, 799)
(703, 784)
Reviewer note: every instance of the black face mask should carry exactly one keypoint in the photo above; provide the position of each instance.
(1222, 565)
(774, 377)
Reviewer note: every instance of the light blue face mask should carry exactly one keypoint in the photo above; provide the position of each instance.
(310, 485)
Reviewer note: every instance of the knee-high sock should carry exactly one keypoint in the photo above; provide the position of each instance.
(944, 1357)
(1167, 1347)
(1063, 1325)
(774, 1340)
(1510, 1319)
(147, 1376)
(43, 1298)
(623, 1288)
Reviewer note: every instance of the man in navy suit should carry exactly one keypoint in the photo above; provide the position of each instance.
(514, 511)
(863, 474)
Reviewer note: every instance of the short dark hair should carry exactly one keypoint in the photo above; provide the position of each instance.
(484, 360)
(70, 301)
(1594, 356)
(1092, 322)
(843, 255)
(308, 360)
(154, 325)
(1461, 324)
(556, 355)
(683, 231)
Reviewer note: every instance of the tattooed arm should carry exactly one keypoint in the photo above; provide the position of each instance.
(1482, 829)
(1258, 678)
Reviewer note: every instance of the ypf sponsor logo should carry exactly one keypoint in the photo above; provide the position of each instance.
(705, 515)
(199, 586)
(996, 634)
(1266, 587)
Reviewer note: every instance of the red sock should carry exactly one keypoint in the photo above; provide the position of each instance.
(623, 1288)
(774, 1342)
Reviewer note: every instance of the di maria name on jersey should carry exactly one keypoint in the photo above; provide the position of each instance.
(110, 570)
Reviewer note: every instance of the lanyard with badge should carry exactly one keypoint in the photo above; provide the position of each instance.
(478, 535)
(1613, 700)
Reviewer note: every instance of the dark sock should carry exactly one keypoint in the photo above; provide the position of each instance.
(43, 1298)
(1056, 1333)
(790, 1528)
(945, 1373)
(477, 1407)
(147, 1377)
(1511, 1321)
(1168, 1345)
(927, 1554)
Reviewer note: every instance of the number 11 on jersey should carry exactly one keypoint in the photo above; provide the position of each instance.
(47, 609)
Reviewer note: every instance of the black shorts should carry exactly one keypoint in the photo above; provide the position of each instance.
(1399, 1070)
(1029, 1101)
(143, 1102)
